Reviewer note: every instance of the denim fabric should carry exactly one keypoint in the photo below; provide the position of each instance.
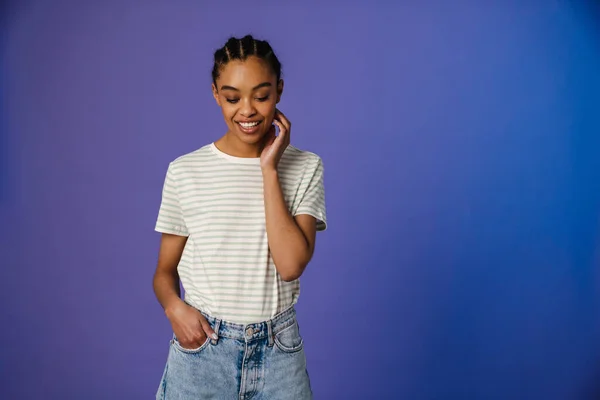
(262, 361)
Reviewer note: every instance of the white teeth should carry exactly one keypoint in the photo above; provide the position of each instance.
(248, 124)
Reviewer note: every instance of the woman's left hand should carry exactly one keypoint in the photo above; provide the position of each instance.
(276, 145)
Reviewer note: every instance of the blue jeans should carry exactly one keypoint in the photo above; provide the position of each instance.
(261, 361)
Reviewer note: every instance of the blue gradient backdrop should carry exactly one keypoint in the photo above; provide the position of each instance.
(463, 188)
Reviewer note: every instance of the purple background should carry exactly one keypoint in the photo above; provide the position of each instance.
(461, 147)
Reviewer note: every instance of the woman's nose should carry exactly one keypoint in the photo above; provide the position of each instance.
(247, 109)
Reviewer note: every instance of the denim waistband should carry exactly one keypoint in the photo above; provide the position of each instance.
(265, 329)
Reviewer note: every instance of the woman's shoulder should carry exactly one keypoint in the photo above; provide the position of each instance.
(192, 157)
(295, 154)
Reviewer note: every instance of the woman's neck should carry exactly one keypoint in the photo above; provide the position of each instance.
(231, 145)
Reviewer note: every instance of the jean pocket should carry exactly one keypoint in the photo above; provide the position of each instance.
(182, 349)
(288, 339)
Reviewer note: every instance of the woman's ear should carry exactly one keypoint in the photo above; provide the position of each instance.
(279, 90)
(215, 93)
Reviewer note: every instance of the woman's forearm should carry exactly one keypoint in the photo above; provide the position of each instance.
(166, 289)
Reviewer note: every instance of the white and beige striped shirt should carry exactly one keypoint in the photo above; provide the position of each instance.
(217, 201)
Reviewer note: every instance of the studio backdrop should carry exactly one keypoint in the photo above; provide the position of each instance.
(461, 147)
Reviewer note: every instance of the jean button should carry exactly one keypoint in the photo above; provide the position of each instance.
(249, 331)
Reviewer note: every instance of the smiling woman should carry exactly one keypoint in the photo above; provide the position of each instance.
(238, 219)
(247, 109)
(247, 85)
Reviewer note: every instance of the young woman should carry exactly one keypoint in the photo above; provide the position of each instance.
(238, 219)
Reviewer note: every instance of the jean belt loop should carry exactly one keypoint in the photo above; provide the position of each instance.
(216, 329)
(270, 332)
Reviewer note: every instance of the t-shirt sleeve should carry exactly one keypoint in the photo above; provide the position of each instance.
(170, 215)
(313, 199)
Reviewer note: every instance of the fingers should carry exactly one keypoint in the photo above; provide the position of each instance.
(283, 119)
(284, 125)
(192, 340)
(199, 339)
(207, 328)
(271, 135)
(192, 329)
(284, 133)
(280, 126)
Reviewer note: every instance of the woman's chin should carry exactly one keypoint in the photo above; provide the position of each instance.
(253, 139)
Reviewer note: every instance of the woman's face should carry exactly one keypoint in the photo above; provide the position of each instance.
(248, 92)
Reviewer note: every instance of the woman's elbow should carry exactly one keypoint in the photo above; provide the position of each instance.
(292, 272)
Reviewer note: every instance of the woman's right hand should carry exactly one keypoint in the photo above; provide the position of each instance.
(189, 325)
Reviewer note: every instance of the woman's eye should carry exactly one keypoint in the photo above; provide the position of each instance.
(261, 99)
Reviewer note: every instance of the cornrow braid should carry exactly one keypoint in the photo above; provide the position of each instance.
(241, 49)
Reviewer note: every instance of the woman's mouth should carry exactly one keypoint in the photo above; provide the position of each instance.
(249, 127)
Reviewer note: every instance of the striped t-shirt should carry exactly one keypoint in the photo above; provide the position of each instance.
(217, 201)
